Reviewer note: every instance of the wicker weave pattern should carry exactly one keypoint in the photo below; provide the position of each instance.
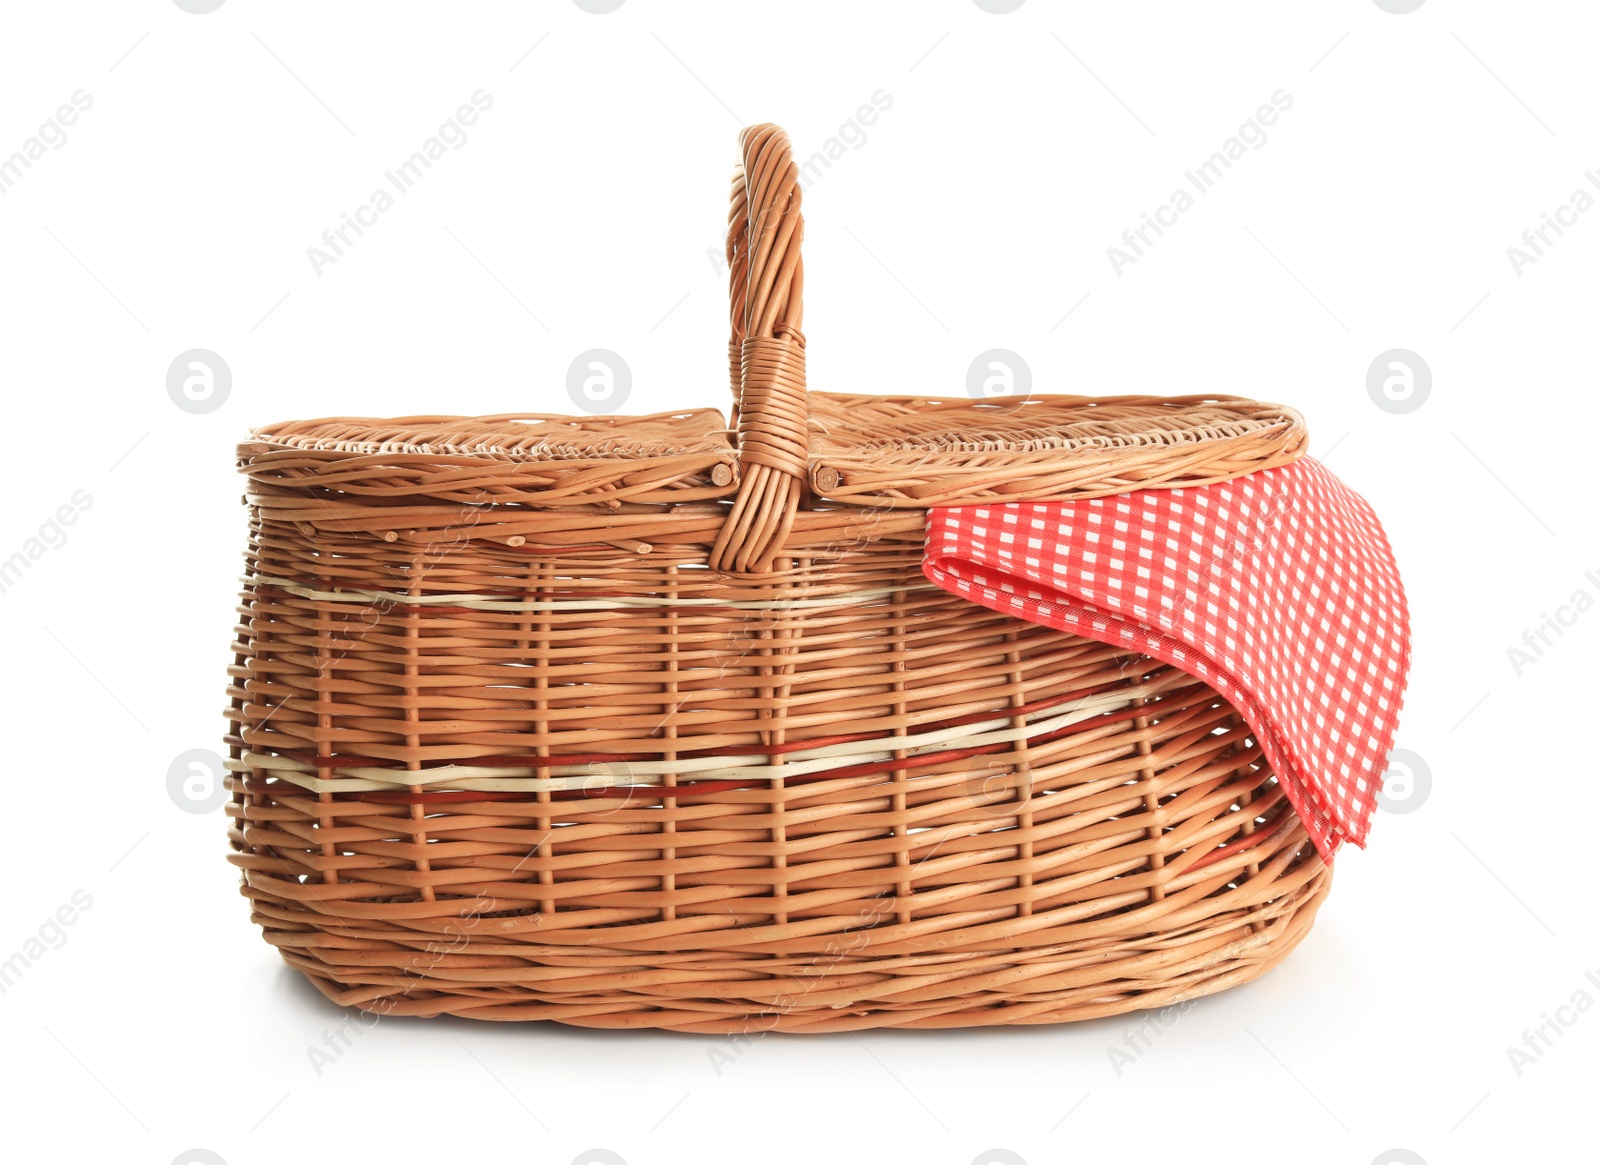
(531, 719)
(925, 452)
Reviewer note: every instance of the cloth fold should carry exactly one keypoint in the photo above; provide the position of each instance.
(1278, 588)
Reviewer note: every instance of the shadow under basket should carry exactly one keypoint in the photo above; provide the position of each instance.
(650, 722)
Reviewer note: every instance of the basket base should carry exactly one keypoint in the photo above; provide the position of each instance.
(724, 995)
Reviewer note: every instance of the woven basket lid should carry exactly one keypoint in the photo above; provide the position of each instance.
(897, 452)
(529, 459)
(925, 451)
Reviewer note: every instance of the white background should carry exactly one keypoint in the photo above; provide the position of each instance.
(976, 215)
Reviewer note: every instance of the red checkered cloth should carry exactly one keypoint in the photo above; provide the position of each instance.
(1278, 588)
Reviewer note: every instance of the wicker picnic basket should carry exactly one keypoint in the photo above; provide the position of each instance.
(646, 722)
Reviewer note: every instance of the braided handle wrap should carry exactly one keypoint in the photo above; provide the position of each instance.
(767, 351)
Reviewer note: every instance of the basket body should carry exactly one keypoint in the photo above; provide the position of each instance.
(655, 722)
(485, 774)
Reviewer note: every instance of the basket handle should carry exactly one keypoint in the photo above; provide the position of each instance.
(766, 351)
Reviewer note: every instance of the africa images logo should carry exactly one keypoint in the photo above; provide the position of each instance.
(451, 135)
(1251, 135)
(52, 133)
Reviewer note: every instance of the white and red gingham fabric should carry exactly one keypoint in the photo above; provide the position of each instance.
(1278, 588)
